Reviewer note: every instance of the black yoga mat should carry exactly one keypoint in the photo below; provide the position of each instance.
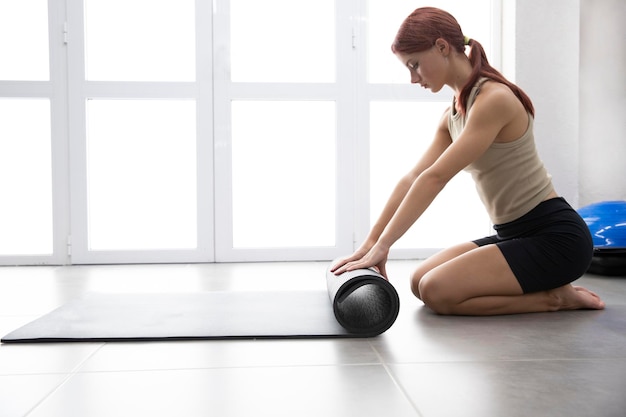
(356, 304)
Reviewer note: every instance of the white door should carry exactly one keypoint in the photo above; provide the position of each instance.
(33, 133)
(284, 118)
(400, 121)
(315, 122)
(227, 130)
(141, 130)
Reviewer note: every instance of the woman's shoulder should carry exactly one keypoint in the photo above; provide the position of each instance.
(496, 90)
(500, 102)
(497, 96)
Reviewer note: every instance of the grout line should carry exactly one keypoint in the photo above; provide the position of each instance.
(91, 355)
(68, 376)
(45, 397)
(520, 360)
(395, 381)
(232, 367)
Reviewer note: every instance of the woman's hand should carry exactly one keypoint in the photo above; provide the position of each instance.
(375, 257)
(358, 254)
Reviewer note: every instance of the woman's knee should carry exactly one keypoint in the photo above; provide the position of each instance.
(436, 295)
(425, 286)
(436, 261)
(416, 278)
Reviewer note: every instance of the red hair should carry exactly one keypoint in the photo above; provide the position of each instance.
(425, 25)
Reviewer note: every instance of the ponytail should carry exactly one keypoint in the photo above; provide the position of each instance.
(425, 25)
(482, 68)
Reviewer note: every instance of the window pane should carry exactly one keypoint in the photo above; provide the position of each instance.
(140, 40)
(399, 134)
(25, 177)
(283, 174)
(282, 41)
(24, 40)
(141, 168)
(385, 18)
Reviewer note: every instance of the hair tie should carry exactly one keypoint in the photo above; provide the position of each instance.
(466, 40)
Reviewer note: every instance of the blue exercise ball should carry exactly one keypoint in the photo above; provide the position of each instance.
(607, 223)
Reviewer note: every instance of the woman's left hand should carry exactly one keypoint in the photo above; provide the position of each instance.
(376, 257)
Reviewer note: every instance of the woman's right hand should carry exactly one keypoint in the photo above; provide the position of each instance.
(375, 258)
(358, 254)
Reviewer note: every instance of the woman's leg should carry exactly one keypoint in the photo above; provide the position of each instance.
(479, 281)
(438, 259)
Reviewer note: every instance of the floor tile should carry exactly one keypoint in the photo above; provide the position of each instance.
(611, 289)
(545, 336)
(21, 393)
(40, 358)
(549, 364)
(195, 277)
(566, 388)
(230, 353)
(277, 391)
(419, 335)
(29, 290)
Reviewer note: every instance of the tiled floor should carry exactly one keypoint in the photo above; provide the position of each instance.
(554, 364)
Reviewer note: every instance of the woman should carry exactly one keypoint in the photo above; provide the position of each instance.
(541, 245)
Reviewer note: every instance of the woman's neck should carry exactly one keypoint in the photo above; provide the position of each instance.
(460, 72)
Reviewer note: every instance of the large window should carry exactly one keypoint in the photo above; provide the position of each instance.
(141, 174)
(215, 130)
(402, 121)
(28, 133)
(276, 147)
(25, 175)
(24, 41)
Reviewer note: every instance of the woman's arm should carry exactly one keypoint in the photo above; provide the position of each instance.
(495, 108)
(439, 144)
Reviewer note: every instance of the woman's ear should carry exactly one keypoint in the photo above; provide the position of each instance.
(442, 46)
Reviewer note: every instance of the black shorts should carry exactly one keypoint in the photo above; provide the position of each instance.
(546, 248)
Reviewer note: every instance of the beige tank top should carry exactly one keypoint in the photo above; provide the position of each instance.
(510, 178)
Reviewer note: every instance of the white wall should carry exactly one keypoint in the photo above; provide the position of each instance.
(546, 67)
(602, 100)
(570, 57)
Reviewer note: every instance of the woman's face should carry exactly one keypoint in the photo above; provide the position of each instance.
(427, 68)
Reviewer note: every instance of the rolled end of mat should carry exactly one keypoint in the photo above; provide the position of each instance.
(364, 302)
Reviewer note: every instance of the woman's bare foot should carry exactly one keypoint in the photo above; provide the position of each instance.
(569, 297)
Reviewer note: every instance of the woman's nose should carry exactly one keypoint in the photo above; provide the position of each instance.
(415, 78)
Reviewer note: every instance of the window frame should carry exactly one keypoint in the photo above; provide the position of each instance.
(68, 91)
